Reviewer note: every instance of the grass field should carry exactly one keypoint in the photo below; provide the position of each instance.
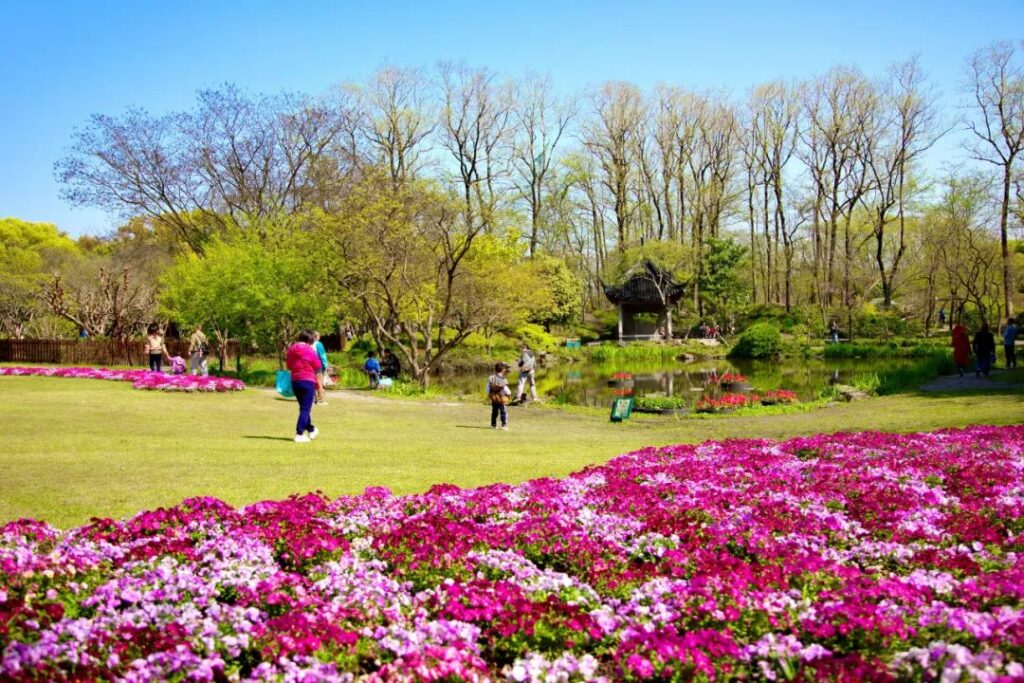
(73, 449)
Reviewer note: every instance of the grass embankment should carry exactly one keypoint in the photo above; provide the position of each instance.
(74, 449)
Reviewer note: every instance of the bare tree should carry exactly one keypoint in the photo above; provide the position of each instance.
(397, 118)
(618, 112)
(475, 129)
(902, 129)
(541, 119)
(136, 163)
(775, 113)
(995, 116)
(235, 157)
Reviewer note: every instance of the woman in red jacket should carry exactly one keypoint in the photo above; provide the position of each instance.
(961, 348)
(303, 362)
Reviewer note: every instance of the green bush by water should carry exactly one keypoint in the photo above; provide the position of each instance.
(758, 341)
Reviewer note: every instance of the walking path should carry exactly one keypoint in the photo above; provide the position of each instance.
(966, 383)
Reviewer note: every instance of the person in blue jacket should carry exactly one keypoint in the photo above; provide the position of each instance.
(321, 353)
(372, 367)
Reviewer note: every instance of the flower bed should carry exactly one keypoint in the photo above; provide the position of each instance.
(140, 379)
(725, 403)
(776, 397)
(853, 557)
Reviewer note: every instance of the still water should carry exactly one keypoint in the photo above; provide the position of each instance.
(587, 384)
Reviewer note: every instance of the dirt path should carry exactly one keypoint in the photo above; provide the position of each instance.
(966, 383)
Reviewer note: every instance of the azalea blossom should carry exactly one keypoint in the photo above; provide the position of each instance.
(857, 557)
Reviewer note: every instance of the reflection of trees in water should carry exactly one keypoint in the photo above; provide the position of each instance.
(587, 383)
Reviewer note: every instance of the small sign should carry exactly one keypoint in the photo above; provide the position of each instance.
(622, 408)
(572, 343)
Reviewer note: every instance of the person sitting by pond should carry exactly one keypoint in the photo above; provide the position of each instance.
(155, 348)
(498, 393)
(984, 350)
(372, 367)
(961, 349)
(390, 367)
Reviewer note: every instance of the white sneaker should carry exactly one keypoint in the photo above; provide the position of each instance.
(504, 428)
(301, 438)
(313, 434)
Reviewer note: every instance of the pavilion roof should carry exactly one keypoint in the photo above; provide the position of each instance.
(650, 285)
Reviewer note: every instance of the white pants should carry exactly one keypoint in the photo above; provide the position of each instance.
(197, 361)
(525, 377)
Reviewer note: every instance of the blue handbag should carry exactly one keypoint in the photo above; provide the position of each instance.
(284, 383)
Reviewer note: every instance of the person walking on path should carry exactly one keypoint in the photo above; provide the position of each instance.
(833, 331)
(155, 348)
(321, 353)
(961, 349)
(984, 349)
(499, 393)
(303, 363)
(1010, 343)
(372, 367)
(527, 365)
(198, 350)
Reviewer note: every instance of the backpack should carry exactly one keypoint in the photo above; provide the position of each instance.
(498, 393)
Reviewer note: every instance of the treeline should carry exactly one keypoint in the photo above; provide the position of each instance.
(431, 204)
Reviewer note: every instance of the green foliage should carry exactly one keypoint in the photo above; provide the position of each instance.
(721, 279)
(564, 290)
(536, 337)
(891, 349)
(608, 353)
(758, 341)
(29, 252)
(656, 403)
(259, 293)
(906, 377)
(672, 257)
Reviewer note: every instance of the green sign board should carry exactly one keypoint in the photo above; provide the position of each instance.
(572, 343)
(622, 408)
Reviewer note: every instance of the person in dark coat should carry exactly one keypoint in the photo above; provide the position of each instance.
(984, 350)
(390, 366)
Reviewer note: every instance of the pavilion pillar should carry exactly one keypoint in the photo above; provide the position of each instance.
(668, 322)
(620, 321)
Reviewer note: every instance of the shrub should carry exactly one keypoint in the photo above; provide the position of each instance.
(758, 341)
(655, 403)
(536, 337)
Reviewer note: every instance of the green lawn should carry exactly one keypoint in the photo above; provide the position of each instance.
(73, 449)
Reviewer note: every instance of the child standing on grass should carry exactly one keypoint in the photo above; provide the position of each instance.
(372, 367)
(498, 392)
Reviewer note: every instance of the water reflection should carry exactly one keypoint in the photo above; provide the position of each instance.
(588, 383)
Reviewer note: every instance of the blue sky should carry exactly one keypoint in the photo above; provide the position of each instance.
(61, 61)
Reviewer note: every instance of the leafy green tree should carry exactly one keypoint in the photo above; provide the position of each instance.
(28, 254)
(564, 290)
(425, 277)
(259, 293)
(721, 279)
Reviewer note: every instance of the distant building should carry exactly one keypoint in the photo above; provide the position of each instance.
(645, 303)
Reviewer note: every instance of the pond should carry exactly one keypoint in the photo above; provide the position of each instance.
(591, 384)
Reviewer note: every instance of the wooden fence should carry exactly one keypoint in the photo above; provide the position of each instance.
(91, 351)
